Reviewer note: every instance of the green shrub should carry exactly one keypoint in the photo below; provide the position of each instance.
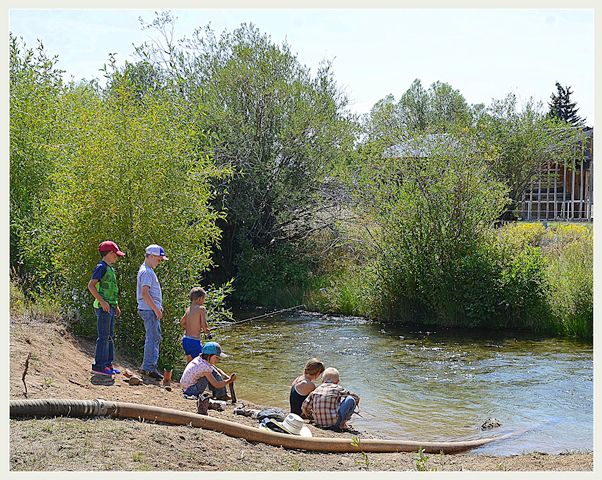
(18, 302)
(519, 235)
(522, 287)
(36, 306)
(271, 277)
(433, 217)
(134, 171)
(342, 292)
(549, 277)
(570, 276)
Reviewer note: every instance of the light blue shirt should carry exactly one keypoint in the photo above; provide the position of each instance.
(147, 276)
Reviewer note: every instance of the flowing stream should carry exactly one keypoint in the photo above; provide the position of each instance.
(426, 385)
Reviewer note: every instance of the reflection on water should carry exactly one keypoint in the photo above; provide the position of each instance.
(426, 385)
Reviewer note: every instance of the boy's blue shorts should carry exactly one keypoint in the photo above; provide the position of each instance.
(192, 346)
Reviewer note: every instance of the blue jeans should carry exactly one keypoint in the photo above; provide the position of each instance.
(199, 387)
(152, 325)
(346, 409)
(105, 329)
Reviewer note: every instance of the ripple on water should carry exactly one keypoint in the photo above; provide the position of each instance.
(434, 386)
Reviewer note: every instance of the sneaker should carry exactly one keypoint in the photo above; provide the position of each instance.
(115, 371)
(154, 374)
(345, 429)
(224, 397)
(104, 371)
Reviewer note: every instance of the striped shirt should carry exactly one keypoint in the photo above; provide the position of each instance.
(323, 403)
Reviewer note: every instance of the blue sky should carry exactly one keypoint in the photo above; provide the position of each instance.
(484, 53)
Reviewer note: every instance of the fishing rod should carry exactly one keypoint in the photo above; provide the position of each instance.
(231, 324)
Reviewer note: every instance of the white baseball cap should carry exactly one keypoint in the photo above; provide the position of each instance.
(156, 250)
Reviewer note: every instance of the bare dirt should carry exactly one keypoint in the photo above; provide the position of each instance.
(59, 367)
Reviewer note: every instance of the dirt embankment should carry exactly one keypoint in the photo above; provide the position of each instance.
(59, 367)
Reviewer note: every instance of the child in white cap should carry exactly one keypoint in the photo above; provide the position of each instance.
(150, 308)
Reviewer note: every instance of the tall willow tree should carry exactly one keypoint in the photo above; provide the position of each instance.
(438, 109)
(36, 90)
(278, 126)
(134, 171)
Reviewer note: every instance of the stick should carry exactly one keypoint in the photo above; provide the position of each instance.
(76, 383)
(232, 393)
(25, 373)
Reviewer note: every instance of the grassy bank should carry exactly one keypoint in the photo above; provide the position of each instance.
(529, 278)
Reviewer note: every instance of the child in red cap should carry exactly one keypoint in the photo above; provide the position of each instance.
(103, 287)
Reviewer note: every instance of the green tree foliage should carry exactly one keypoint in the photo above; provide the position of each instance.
(281, 128)
(134, 171)
(35, 118)
(569, 254)
(519, 142)
(430, 220)
(440, 109)
(562, 108)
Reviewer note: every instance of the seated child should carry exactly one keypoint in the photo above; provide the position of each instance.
(303, 384)
(201, 373)
(330, 405)
(193, 321)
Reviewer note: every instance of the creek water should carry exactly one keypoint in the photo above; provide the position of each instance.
(437, 385)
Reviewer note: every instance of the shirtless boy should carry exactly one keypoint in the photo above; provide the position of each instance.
(194, 321)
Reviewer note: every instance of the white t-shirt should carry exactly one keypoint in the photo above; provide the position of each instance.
(197, 368)
(147, 276)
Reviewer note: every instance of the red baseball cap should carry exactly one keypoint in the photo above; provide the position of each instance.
(108, 246)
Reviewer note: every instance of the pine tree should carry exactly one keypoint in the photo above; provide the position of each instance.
(562, 108)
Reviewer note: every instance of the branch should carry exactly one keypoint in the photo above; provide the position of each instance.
(25, 373)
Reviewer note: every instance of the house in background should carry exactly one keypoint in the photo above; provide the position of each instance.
(423, 146)
(562, 191)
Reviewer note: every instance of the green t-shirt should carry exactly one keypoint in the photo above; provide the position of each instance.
(107, 283)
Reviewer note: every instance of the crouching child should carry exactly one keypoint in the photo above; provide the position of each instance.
(330, 405)
(202, 372)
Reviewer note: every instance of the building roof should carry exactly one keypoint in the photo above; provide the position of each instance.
(423, 146)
